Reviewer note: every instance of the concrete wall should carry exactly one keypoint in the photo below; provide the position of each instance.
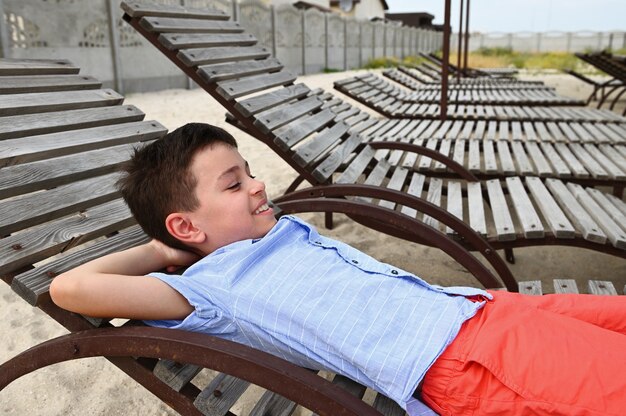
(92, 34)
(546, 41)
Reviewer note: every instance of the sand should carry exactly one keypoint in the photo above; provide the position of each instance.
(96, 387)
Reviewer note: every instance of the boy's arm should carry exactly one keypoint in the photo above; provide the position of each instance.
(116, 285)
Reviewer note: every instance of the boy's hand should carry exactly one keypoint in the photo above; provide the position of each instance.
(173, 257)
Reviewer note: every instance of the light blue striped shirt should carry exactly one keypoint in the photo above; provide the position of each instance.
(322, 304)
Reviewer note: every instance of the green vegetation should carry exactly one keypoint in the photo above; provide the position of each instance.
(391, 62)
(501, 58)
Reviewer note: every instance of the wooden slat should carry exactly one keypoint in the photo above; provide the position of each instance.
(262, 102)
(572, 161)
(272, 404)
(606, 162)
(13, 127)
(434, 197)
(504, 155)
(588, 161)
(556, 219)
(236, 88)
(524, 167)
(531, 287)
(47, 83)
(476, 208)
(62, 143)
(175, 375)
(40, 102)
(357, 166)
(216, 55)
(177, 41)
(565, 286)
(291, 134)
(276, 117)
(489, 157)
(543, 168)
(48, 173)
(415, 189)
(324, 141)
(473, 163)
(325, 169)
(588, 227)
(612, 229)
(174, 25)
(454, 201)
(505, 231)
(387, 407)
(10, 67)
(528, 218)
(43, 241)
(135, 9)
(220, 395)
(559, 166)
(597, 287)
(31, 285)
(31, 209)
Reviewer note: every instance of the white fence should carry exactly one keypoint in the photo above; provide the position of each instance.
(545, 41)
(92, 35)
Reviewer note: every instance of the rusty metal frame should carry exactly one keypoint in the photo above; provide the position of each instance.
(260, 368)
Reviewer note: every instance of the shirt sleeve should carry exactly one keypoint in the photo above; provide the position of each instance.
(206, 317)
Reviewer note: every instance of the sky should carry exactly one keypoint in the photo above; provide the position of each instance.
(526, 15)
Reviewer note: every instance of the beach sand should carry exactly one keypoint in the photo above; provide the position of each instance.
(96, 387)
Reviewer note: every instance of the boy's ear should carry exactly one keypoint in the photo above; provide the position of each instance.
(182, 228)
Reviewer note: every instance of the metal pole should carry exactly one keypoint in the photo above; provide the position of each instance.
(444, 67)
(460, 47)
(303, 42)
(467, 18)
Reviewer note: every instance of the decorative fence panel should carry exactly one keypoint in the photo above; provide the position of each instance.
(92, 34)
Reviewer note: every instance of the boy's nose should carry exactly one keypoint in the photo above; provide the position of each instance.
(257, 186)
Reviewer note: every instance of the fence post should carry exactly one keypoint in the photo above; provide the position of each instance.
(303, 42)
(326, 40)
(384, 27)
(345, 44)
(360, 43)
(5, 48)
(274, 30)
(611, 41)
(538, 41)
(599, 41)
(236, 10)
(624, 41)
(568, 42)
(115, 46)
(373, 41)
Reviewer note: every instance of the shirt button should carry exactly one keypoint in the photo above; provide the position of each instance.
(318, 242)
(394, 272)
(355, 262)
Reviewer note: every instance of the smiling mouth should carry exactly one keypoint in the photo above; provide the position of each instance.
(261, 209)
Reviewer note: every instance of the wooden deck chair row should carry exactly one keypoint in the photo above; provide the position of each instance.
(585, 153)
(301, 128)
(389, 106)
(427, 76)
(613, 66)
(378, 87)
(62, 140)
(403, 75)
(478, 74)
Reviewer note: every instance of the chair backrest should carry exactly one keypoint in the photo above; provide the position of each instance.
(63, 138)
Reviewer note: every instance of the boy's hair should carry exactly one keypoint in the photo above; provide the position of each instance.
(158, 179)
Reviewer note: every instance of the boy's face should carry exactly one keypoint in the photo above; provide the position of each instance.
(233, 205)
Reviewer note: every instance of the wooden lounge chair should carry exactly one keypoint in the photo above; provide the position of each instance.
(614, 67)
(63, 137)
(512, 104)
(310, 135)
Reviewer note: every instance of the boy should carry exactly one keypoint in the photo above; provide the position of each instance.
(282, 288)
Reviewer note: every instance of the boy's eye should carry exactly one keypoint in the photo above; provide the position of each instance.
(234, 186)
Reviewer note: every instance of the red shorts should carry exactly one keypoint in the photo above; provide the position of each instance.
(535, 355)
